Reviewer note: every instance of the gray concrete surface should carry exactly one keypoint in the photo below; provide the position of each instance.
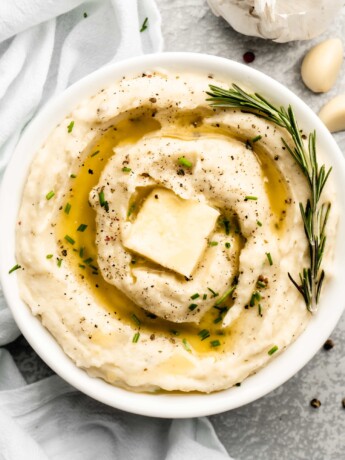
(281, 425)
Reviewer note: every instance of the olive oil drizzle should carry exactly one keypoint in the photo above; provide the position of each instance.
(82, 256)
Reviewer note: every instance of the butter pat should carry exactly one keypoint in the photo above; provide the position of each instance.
(171, 231)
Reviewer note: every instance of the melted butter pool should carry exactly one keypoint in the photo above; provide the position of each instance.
(82, 255)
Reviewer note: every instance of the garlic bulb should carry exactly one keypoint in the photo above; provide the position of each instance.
(278, 20)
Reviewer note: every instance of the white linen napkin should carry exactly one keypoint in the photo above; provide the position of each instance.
(45, 45)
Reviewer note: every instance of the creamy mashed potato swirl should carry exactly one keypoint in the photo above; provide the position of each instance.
(97, 257)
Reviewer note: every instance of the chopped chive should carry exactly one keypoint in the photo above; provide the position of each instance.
(272, 350)
(59, 262)
(250, 197)
(88, 260)
(217, 320)
(94, 153)
(226, 224)
(131, 209)
(261, 284)
(101, 198)
(136, 337)
(144, 25)
(259, 223)
(213, 243)
(94, 267)
(72, 176)
(186, 345)
(204, 334)
(126, 169)
(204, 297)
(256, 138)
(214, 294)
(184, 162)
(82, 228)
(50, 195)
(225, 295)
(136, 319)
(49, 256)
(14, 268)
(195, 296)
(69, 239)
(67, 208)
(104, 204)
(259, 309)
(227, 245)
(81, 266)
(173, 331)
(192, 306)
(215, 343)
(269, 257)
(70, 126)
(81, 252)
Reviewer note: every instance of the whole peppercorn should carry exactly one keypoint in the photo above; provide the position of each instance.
(248, 57)
(315, 403)
(328, 345)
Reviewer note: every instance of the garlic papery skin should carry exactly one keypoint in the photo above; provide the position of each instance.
(321, 65)
(278, 20)
(333, 114)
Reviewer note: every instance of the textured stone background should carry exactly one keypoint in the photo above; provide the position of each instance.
(281, 425)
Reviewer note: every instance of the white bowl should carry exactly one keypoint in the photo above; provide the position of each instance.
(280, 369)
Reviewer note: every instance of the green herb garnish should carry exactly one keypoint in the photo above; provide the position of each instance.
(67, 208)
(269, 258)
(186, 345)
(256, 138)
(259, 223)
(72, 176)
(88, 260)
(136, 319)
(250, 197)
(259, 309)
(50, 195)
(69, 239)
(272, 350)
(59, 262)
(82, 228)
(204, 334)
(204, 297)
(94, 153)
(184, 162)
(192, 306)
(213, 243)
(81, 265)
(225, 295)
(136, 337)
(144, 25)
(126, 170)
(227, 245)
(214, 294)
(215, 343)
(49, 256)
(70, 126)
(195, 296)
(314, 214)
(102, 201)
(81, 252)
(14, 268)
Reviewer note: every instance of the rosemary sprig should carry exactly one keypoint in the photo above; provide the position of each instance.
(314, 214)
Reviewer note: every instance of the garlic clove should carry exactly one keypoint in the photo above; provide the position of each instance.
(333, 114)
(321, 65)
